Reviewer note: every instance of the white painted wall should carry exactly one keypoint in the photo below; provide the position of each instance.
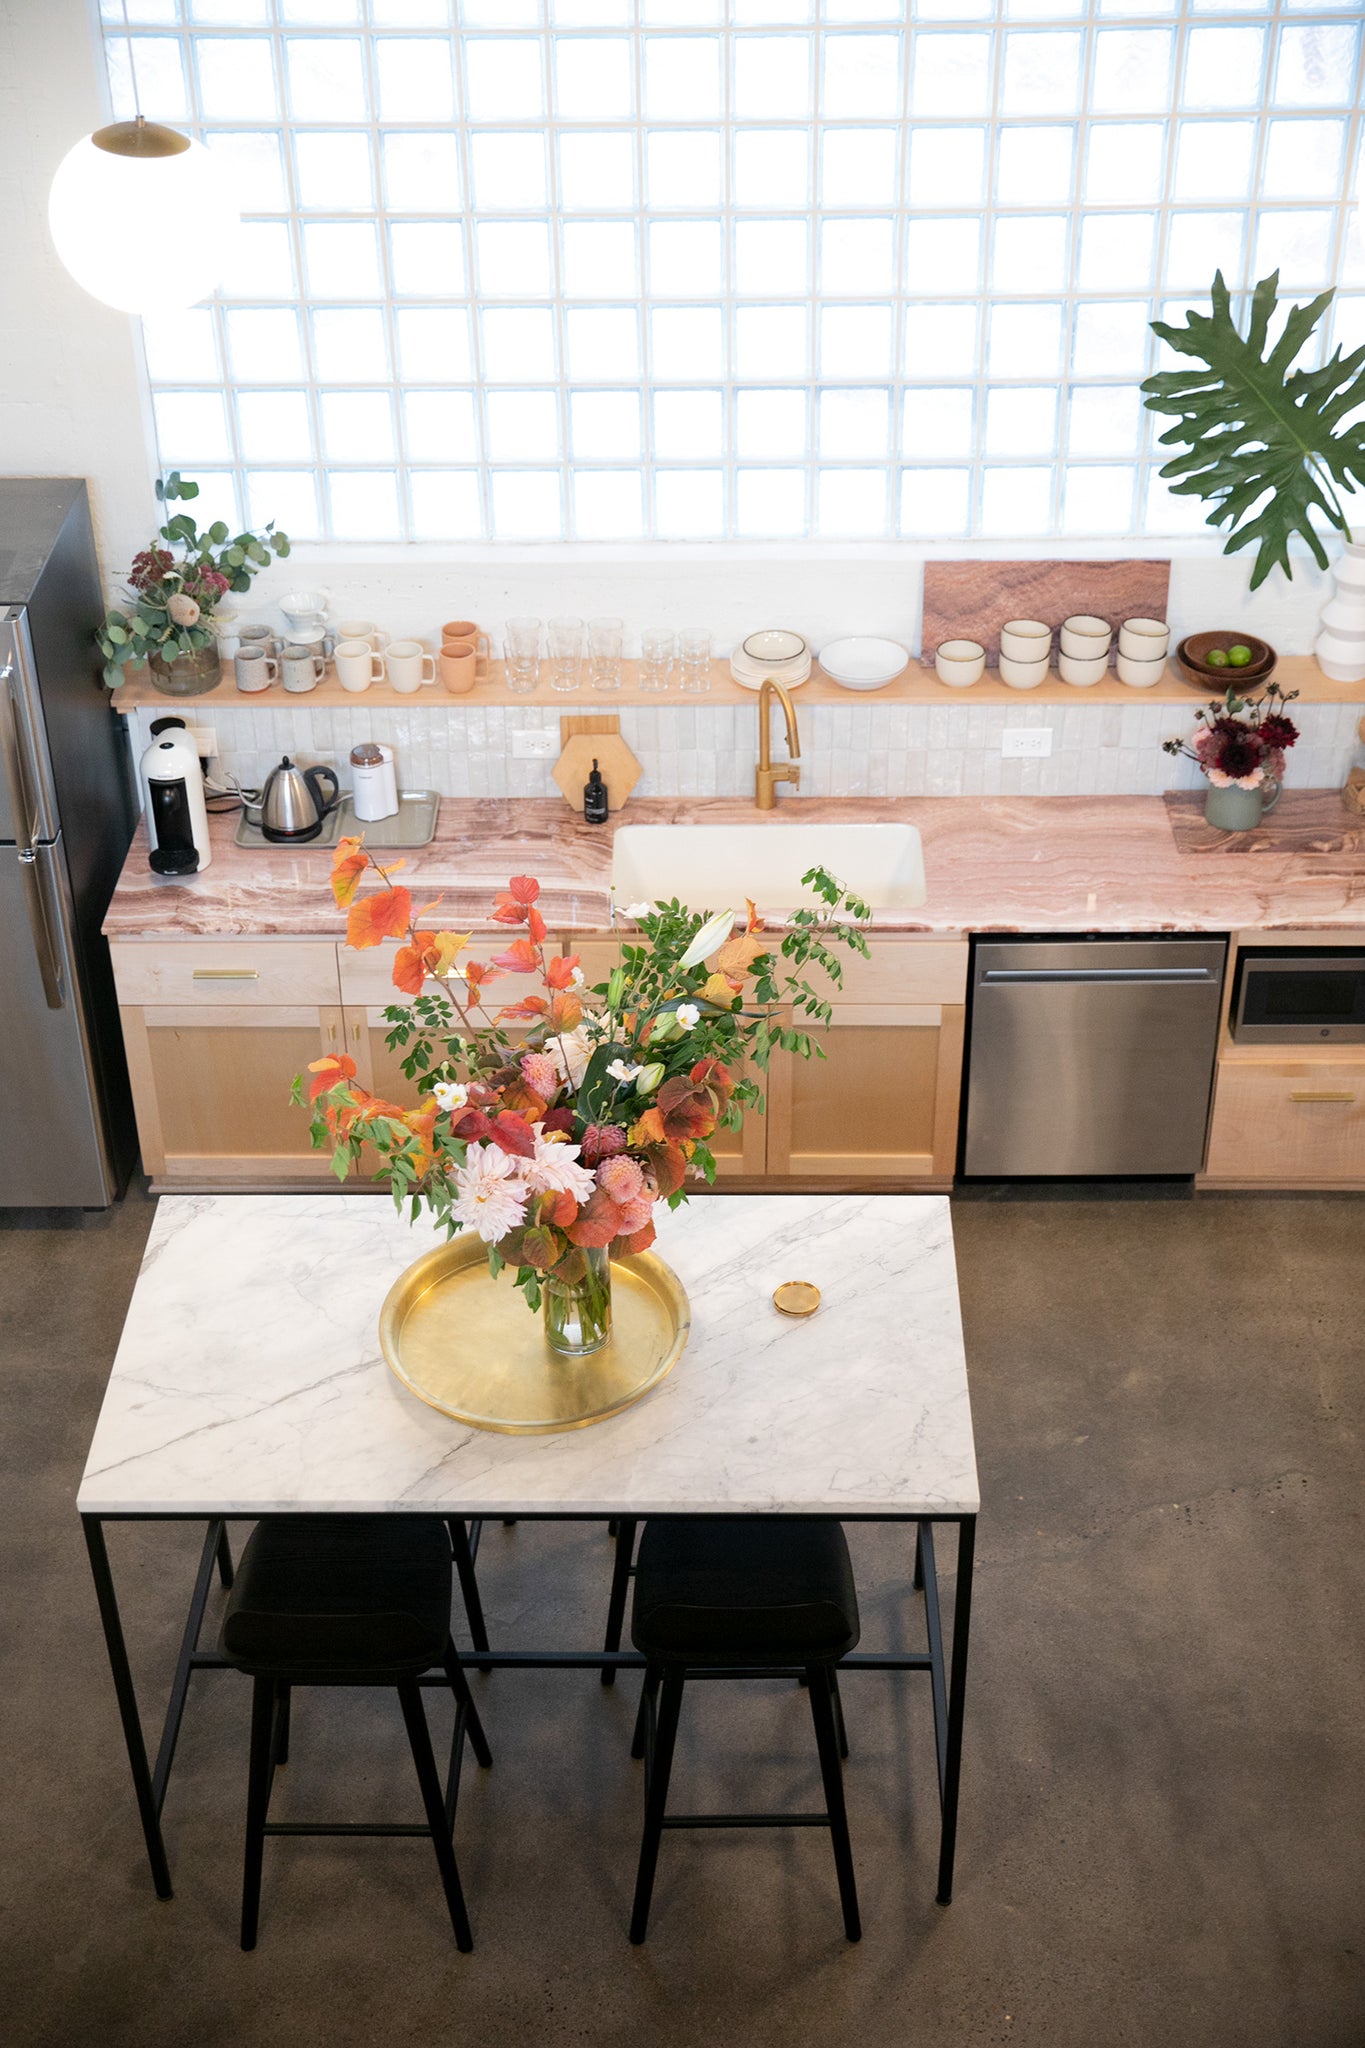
(71, 397)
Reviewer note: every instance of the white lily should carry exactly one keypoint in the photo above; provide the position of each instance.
(712, 934)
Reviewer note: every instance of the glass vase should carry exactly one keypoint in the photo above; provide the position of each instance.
(189, 675)
(577, 1302)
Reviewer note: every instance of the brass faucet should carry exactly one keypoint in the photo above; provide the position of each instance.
(766, 777)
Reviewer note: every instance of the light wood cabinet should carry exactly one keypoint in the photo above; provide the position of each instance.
(215, 1032)
(1288, 1121)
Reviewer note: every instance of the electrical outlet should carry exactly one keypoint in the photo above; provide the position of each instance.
(1026, 742)
(534, 746)
(205, 741)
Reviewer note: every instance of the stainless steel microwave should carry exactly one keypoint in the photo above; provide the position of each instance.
(1285, 996)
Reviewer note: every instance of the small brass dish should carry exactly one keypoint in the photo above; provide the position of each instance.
(796, 1298)
(467, 1344)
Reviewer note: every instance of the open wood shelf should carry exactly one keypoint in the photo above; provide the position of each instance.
(919, 685)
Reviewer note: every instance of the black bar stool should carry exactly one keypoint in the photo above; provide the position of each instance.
(726, 1596)
(348, 1600)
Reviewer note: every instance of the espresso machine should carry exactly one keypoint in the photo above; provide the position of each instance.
(173, 801)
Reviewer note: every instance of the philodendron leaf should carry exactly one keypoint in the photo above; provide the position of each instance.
(1261, 438)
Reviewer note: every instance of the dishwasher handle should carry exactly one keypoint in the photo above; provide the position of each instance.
(1103, 975)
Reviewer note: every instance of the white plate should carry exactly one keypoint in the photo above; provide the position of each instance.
(753, 678)
(863, 663)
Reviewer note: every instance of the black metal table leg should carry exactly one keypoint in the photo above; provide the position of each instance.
(127, 1704)
(957, 1694)
(622, 1566)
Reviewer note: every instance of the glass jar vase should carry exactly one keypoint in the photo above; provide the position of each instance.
(576, 1298)
(189, 675)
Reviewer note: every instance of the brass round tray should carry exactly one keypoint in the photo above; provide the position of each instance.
(467, 1344)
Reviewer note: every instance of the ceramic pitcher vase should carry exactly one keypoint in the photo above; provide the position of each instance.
(1340, 645)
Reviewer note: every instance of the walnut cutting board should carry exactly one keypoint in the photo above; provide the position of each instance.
(972, 600)
(1303, 821)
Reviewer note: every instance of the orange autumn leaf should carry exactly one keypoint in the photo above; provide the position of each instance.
(529, 1006)
(349, 864)
(566, 1012)
(559, 972)
(327, 1072)
(477, 972)
(641, 1240)
(564, 1211)
(507, 911)
(520, 958)
(738, 955)
(385, 916)
(647, 1129)
(720, 990)
(755, 923)
(409, 964)
(535, 925)
(524, 888)
(427, 908)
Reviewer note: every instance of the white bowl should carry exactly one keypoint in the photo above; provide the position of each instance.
(1085, 638)
(1082, 671)
(960, 662)
(1026, 640)
(1023, 675)
(864, 663)
(1144, 639)
(774, 647)
(1140, 675)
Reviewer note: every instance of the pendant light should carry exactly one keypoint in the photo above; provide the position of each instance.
(142, 216)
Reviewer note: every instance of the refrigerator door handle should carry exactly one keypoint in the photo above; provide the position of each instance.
(49, 967)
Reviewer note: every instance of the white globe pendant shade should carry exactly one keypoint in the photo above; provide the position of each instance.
(142, 217)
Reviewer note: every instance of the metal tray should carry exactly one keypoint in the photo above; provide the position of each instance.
(467, 1344)
(414, 825)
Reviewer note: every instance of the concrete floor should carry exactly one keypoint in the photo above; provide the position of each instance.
(1161, 1838)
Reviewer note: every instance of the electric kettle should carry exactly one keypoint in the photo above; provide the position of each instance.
(293, 803)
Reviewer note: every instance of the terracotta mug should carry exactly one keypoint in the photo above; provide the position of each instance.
(462, 630)
(462, 665)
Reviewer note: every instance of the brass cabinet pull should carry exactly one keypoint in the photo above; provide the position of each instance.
(355, 1033)
(224, 974)
(1321, 1095)
(332, 1033)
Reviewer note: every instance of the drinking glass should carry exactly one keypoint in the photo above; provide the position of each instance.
(521, 642)
(604, 653)
(656, 657)
(566, 653)
(694, 660)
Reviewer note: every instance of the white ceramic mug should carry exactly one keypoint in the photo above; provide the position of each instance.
(257, 636)
(1023, 675)
(357, 665)
(410, 665)
(255, 669)
(1140, 675)
(1086, 637)
(960, 662)
(360, 629)
(303, 669)
(1144, 639)
(1026, 640)
(1082, 669)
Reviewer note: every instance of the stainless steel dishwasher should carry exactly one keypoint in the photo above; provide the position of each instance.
(1091, 1056)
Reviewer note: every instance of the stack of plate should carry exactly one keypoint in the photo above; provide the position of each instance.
(862, 662)
(774, 652)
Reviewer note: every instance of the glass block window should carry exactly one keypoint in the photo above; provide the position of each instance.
(610, 270)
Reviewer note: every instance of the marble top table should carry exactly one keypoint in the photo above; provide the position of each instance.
(249, 1378)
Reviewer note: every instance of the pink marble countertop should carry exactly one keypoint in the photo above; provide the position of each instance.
(1084, 863)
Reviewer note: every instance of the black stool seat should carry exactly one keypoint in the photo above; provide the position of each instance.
(747, 1590)
(320, 1595)
(734, 1596)
(350, 1600)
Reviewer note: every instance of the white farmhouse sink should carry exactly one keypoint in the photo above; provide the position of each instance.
(712, 867)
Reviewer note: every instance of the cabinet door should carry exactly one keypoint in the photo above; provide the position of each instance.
(881, 1104)
(1289, 1120)
(211, 1089)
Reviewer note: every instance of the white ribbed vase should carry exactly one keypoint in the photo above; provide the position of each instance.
(1340, 645)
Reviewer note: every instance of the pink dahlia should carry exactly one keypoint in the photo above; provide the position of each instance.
(540, 1073)
(622, 1178)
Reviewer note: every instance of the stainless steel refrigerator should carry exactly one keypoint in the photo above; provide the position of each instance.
(67, 812)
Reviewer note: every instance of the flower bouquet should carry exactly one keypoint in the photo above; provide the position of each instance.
(173, 598)
(552, 1125)
(1240, 743)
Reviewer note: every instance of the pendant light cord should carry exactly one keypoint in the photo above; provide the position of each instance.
(132, 64)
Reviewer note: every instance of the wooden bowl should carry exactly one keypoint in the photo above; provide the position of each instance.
(1193, 652)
